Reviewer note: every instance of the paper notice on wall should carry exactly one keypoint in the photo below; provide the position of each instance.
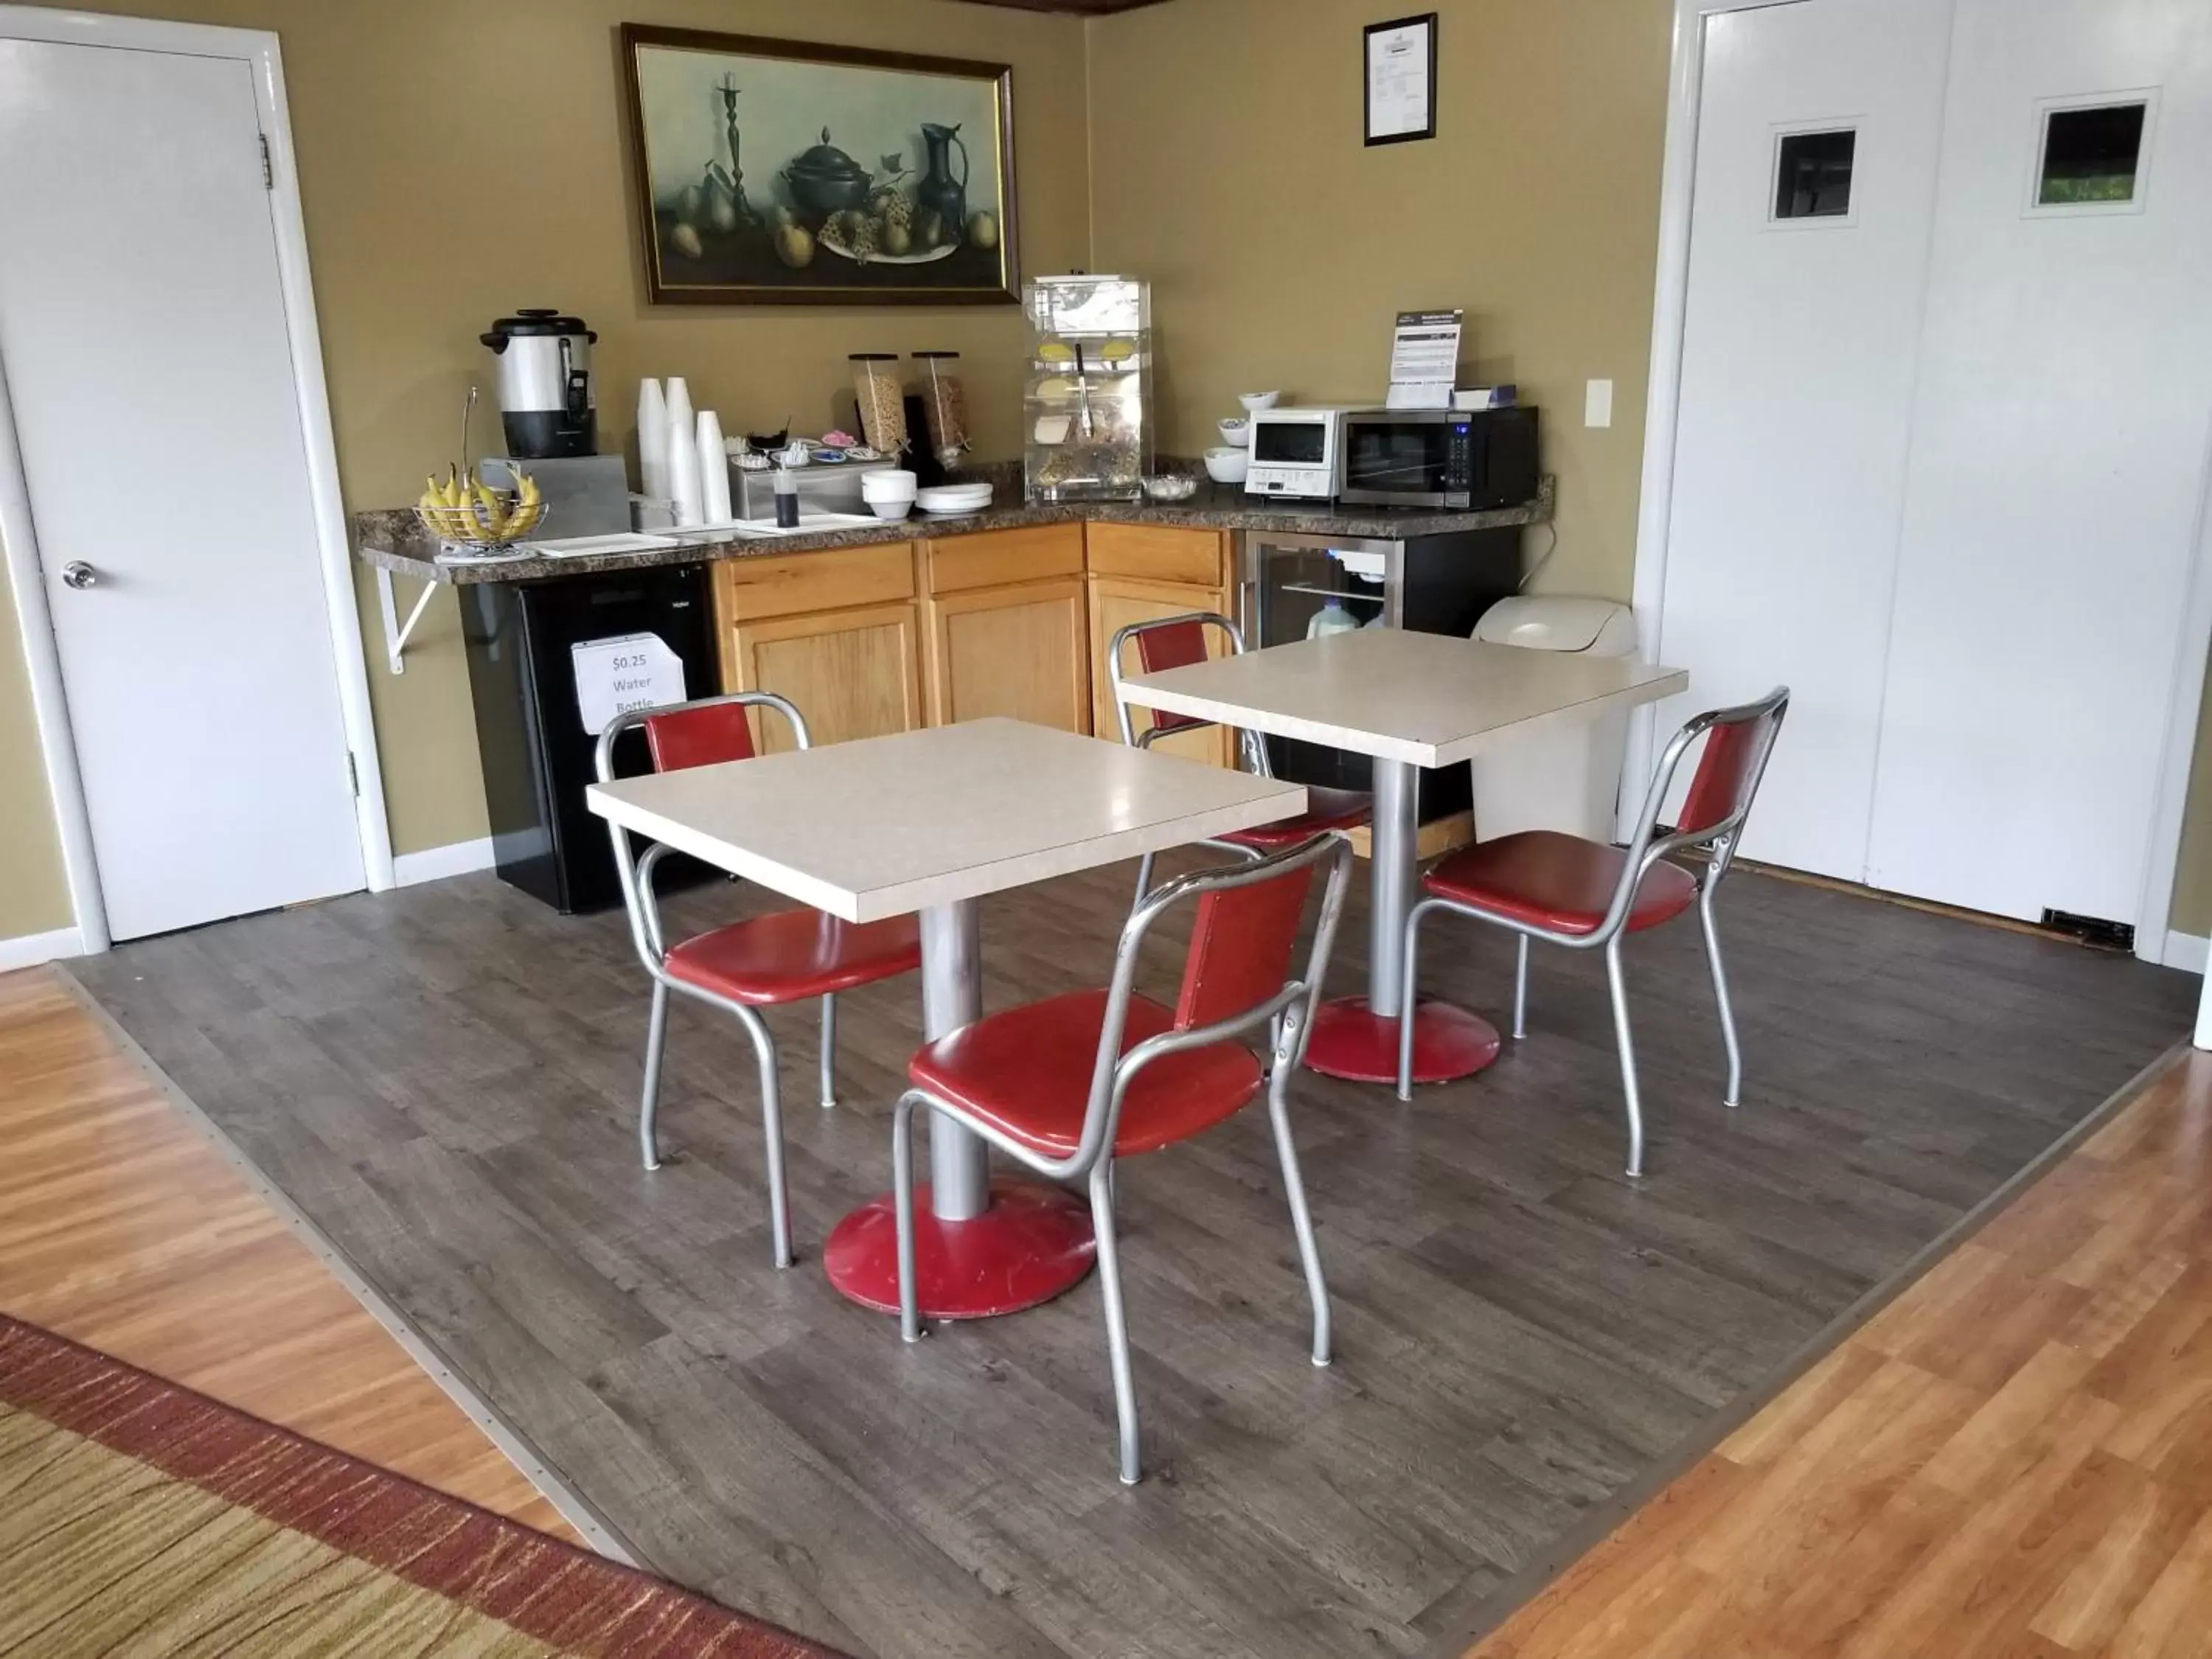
(630, 670)
(1425, 359)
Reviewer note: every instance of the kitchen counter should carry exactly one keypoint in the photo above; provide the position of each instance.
(394, 540)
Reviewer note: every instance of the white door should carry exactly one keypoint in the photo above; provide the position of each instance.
(1816, 177)
(2060, 433)
(143, 336)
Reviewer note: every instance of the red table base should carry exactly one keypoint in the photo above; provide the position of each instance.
(1031, 1245)
(1350, 1043)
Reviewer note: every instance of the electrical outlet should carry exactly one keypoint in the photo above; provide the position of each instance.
(1597, 403)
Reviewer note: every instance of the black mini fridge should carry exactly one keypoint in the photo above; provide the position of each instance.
(536, 750)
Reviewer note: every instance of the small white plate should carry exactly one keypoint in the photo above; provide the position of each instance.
(954, 498)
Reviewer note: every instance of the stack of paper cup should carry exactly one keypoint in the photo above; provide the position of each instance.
(713, 470)
(651, 440)
(684, 487)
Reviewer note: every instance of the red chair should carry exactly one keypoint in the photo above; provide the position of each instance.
(789, 956)
(1178, 642)
(1585, 894)
(1071, 1084)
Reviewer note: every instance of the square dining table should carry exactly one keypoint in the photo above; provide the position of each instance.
(932, 821)
(1408, 700)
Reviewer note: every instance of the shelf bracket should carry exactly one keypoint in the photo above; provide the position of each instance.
(397, 633)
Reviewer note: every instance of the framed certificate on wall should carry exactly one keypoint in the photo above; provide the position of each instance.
(1401, 86)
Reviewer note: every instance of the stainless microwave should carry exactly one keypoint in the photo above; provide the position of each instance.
(1459, 459)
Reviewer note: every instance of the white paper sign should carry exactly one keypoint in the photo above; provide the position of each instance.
(1398, 59)
(1425, 359)
(631, 671)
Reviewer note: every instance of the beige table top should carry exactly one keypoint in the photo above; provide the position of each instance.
(1429, 699)
(884, 826)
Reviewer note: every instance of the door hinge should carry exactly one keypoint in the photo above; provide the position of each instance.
(353, 774)
(268, 167)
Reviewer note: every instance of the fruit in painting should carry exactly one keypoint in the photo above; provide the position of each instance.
(685, 239)
(983, 231)
(928, 229)
(897, 238)
(794, 246)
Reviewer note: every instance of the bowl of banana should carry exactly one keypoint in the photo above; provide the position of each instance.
(463, 512)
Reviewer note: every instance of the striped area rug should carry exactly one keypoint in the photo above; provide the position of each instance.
(138, 1517)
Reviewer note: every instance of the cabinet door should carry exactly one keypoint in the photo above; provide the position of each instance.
(1116, 602)
(1013, 651)
(851, 674)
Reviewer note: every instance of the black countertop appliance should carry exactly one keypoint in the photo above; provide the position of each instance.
(536, 750)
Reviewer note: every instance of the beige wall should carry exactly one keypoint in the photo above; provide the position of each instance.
(1227, 166)
(1221, 157)
(457, 161)
(33, 898)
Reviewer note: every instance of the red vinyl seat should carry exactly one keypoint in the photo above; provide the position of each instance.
(1181, 642)
(792, 955)
(1559, 882)
(1563, 888)
(1027, 1072)
(1326, 808)
(787, 956)
(1069, 1084)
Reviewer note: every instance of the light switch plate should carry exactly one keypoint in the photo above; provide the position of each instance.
(1597, 403)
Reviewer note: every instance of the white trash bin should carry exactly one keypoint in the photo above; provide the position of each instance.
(1567, 778)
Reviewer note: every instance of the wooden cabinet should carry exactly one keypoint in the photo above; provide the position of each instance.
(1117, 601)
(796, 583)
(852, 673)
(1159, 553)
(867, 640)
(837, 632)
(997, 558)
(1018, 650)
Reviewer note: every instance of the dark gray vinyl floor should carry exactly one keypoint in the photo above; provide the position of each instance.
(443, 1080)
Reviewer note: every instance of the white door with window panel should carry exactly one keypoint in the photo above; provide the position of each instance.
(1944, 474)
(142, 334)
(2058, 451)
(1815, 173)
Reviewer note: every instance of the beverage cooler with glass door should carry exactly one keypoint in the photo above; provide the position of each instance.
(1296, 586)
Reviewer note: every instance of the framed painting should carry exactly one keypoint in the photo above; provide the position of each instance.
(785, 171)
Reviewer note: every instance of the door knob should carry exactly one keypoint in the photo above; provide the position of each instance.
(78, 573)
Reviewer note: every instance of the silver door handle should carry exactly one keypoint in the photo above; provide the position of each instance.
(78, 573)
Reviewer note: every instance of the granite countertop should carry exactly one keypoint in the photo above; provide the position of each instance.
(394, 539)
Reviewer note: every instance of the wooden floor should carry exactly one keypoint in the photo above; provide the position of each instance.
(442, 1079)
(122, 1227)
(2013, 1459)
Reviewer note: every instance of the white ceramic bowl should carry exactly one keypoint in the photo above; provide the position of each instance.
(891, 509)
(1227, 465)
(1253, 402)
(1237, 432)
(890, 485)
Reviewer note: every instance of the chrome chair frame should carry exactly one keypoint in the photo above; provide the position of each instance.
(1289, 1015)
(1645, 849)
(1252, 748)
(646, 934)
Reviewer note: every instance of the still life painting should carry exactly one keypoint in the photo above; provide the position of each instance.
(785, 171)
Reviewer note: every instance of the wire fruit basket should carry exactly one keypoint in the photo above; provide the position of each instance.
(497, 521)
